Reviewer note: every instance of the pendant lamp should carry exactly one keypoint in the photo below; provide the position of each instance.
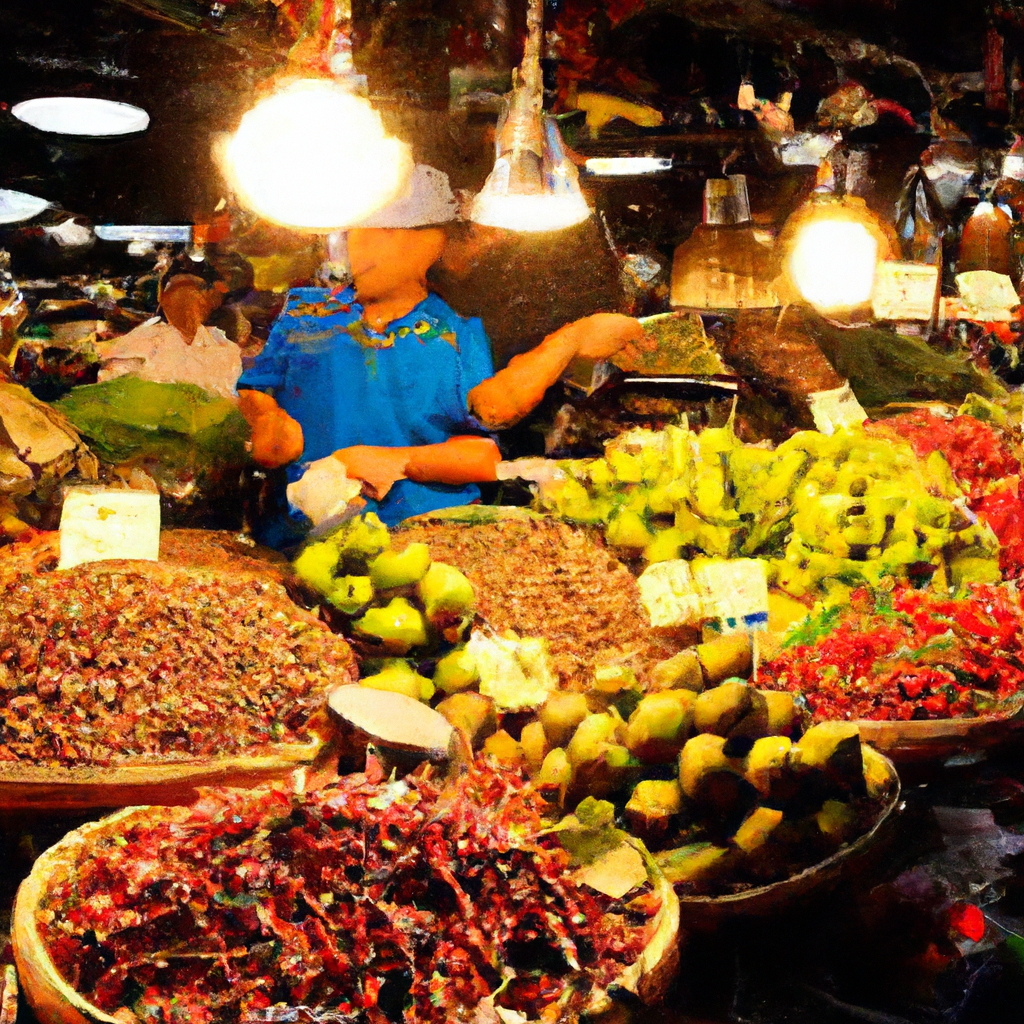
(533, 186)
(314, 154)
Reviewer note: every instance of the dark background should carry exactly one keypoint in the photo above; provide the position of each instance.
(194, 67)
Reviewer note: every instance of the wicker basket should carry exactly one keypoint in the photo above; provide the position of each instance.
(56, 1002)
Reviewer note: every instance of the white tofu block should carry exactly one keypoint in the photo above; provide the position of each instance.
(670, 595)
(987, 295)
(99, 523)
(905, 291)
(835, 409)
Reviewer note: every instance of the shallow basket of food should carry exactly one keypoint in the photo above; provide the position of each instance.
(926, 674)
(374, 897)
(540, 577)
(754, 812)
(130, 681)
(813, 881)
(56, 787)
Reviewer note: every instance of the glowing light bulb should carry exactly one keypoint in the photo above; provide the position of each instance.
(540, 212)
(832, 263)
(314, 156)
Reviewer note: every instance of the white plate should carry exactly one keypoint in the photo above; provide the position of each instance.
(18, 206)
(80, 115)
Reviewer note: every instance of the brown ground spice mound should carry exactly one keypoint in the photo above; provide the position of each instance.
(129, 660)
(543, 578)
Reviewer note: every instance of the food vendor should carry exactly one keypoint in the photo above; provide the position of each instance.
(391, 385)
(180, 350)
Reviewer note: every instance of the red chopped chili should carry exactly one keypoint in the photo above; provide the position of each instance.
(388, 901)
(908, 654)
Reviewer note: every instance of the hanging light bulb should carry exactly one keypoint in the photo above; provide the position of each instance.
(313, 153)
(314, 156)
(832, 245)
(833, 263)
(533, 186)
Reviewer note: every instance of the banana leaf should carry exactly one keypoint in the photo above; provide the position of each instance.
(180, 424)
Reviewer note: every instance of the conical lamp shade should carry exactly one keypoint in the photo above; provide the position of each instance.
(534, 185)
(527, 193)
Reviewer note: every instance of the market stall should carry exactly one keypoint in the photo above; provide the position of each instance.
(510, 511)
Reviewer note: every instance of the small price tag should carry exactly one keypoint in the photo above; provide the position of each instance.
(836, 408)
(734, 591)
(905, 291)
(98, 523)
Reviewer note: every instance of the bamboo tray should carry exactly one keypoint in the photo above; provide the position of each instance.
(27, 785)
(707, 911)
(35, 787)
(938, 739)
(54, 1001)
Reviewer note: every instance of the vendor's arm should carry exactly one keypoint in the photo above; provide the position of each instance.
(459, 460)
(276, 437)
(504, 399)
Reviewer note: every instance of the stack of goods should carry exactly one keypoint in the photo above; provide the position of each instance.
(983, 463)
(537, 577)
(39, 448)
(397, 605)
(716, 776)
(415, 594)
(826, 512)
(750, 805)
(367, 900)
(114, 663)
(720, 781)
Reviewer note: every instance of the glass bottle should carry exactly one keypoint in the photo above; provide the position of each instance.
(985, 240)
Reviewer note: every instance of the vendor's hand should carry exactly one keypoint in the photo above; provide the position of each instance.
(379, 468)
(324, 491)
(602, 335)
(276, 437)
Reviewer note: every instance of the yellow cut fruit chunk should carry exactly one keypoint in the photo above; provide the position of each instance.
(757, 828)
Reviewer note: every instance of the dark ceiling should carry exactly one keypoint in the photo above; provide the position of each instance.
(192, 83)
(194, 65)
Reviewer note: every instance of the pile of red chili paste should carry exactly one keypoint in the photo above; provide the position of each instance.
(908, 654)
(366, 901)
(116, 662)
(982, 463)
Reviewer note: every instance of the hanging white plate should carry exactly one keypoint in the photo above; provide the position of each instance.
(18, 206)
(81, 115)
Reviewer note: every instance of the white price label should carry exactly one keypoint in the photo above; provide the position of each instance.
(734, 591)
(98, 523)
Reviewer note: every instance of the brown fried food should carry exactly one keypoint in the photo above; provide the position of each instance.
(219, 550)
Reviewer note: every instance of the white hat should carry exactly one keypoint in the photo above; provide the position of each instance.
(427, 200)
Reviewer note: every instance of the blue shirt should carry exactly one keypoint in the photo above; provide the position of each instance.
(347, 384)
